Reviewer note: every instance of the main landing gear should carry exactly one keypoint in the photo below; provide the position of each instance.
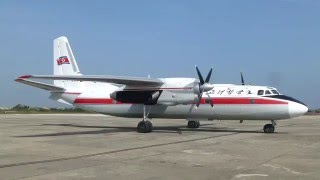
(145, 126)
(193, 124)
(269, 128)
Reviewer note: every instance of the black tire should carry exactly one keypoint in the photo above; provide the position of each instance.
(197, 124)
(268, 128)
(149, 126)
(142, 127)
(192, 124)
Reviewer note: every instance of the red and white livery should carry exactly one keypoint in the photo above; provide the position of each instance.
(174, 98)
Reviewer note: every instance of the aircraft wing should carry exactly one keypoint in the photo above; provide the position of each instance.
(107, 78)
(40, 85)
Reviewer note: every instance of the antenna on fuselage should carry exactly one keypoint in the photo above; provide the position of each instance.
(242, 80)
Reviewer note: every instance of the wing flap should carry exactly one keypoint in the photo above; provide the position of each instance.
(40, 85)
(140, 81)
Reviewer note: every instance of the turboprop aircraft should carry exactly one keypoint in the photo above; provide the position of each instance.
(174, 98)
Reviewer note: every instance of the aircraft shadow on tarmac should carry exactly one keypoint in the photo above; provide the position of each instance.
(157, 129)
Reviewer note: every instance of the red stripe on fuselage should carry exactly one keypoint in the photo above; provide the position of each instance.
(157, 89)
(95, 101)
(222, 101)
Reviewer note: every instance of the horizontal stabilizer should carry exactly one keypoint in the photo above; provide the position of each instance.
(138, 81)
(40, 85)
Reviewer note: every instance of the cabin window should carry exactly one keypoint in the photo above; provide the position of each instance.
(275, 92)
(267, 92)
(260, 92)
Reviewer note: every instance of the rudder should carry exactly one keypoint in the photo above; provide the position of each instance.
(64, 61)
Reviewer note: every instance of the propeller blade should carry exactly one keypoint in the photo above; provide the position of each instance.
(200, 96)
(209, 76)
(211, 103)
(200, 76)
(204, 86)
(242, 80)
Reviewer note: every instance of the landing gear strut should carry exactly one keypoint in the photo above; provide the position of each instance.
(193, 124)
(269, 128)
(145, 126)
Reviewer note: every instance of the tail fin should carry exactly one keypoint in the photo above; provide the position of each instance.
(64, 62)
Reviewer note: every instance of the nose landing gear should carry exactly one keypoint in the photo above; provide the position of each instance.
(269, 128)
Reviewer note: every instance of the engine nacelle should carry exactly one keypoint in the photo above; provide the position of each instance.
(187, 92)
(136, 97)
(175, 98)
(174, 91)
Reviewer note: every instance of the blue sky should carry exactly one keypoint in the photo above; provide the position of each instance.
(274, 43)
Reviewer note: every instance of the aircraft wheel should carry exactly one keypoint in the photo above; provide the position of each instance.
(144, 127)
(193, 124)
(197, 124)
(268, 128)
(150, 126)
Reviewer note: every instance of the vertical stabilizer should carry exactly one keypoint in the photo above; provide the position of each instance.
(64, 62)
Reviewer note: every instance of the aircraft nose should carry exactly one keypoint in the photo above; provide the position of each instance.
(297, 109)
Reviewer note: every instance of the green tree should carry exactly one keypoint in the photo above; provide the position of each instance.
(20, 107)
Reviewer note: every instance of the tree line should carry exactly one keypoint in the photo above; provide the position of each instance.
(28, 109)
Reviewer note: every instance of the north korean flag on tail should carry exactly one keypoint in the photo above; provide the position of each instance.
(63, 60)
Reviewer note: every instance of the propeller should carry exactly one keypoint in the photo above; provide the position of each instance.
(242, 80)
(204, 86)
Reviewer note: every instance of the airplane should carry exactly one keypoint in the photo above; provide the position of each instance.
(173, 98)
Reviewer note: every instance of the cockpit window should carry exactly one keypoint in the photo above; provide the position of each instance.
(260, 92)
(267, 92)
(275, 92)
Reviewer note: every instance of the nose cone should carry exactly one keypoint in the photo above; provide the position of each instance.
(297, 109)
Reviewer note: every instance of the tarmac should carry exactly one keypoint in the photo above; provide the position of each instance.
(104, 147)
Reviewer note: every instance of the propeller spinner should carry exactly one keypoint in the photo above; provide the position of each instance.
(204, 86)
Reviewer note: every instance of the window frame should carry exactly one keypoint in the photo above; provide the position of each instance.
(275, 92)
(265, 92)
(260, 91)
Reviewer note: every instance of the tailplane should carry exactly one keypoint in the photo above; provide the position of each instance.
(64, 62)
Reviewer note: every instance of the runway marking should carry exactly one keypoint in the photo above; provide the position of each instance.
(111, 152)
(189, 151)
(282, 167)
(250, 175)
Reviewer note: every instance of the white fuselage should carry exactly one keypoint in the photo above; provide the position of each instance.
(231, 102)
